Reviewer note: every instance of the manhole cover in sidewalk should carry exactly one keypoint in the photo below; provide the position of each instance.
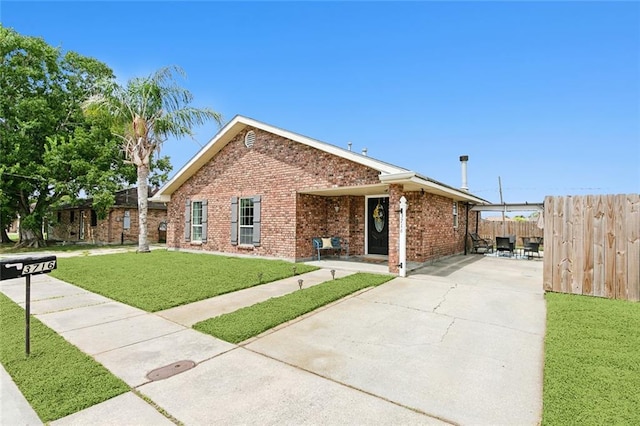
(170, 370)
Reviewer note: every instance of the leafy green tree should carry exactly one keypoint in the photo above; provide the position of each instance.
(49, 148)
(144, 113)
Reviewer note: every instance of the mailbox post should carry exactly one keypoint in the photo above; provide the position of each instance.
(25, 267)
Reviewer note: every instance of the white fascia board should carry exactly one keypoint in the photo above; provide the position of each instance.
(414, 178)
(401, 177)
(160, 198)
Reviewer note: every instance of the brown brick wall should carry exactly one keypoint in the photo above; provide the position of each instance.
(109, 230)
(430, 231)
(277, 169)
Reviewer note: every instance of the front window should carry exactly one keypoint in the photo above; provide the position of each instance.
(196, 221)
(246, 221)
(126, 220)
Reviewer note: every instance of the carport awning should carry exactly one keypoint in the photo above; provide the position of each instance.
(509, 207)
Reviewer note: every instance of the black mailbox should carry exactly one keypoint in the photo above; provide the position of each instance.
(17, 267)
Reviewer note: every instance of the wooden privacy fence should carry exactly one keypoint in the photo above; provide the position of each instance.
(491, 229)
(592, 245)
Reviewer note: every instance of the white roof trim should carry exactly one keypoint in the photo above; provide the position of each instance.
(237, 124)
(416, 181)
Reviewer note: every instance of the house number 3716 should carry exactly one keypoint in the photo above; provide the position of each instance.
(38, 267)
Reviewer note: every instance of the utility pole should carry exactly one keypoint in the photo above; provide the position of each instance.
(501, 202)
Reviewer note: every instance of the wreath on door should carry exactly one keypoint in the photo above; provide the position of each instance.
(378, 217)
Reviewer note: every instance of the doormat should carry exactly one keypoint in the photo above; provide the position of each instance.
(372, 260)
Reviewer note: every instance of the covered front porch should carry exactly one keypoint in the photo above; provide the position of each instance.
(371, 222)
(358, 216)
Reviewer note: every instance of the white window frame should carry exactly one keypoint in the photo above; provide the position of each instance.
(81, 233)
(126, 220)
(245, 238)
(455, 215)
(196, 225)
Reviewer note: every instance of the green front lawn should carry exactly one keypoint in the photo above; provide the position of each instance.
(164, 279)
(592, 361)
(57, 378)
(244, 323)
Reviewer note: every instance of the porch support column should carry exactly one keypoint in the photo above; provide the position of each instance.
(395, 192)
(402, 263)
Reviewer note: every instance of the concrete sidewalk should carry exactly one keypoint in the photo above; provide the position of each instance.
(459, 342)
(192, 313)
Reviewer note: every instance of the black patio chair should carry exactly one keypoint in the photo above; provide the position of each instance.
(504, 244)
(531, 245)
(480, 243)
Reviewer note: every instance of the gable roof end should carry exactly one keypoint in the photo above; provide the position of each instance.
(388, 172)
(239, 123)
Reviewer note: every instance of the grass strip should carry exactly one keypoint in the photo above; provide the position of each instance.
(244, 323)
(57, 378)
(163, 279)
(592, 361)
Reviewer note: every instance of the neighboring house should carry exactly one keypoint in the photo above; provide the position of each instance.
(80, 223)
(261, 190)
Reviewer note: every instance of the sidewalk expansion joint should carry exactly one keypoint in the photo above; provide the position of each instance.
(72, 308)
(138, 342)
(415, 410)
(94, 325)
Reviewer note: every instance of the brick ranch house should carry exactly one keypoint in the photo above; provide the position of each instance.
(80, 223)
(261, 190)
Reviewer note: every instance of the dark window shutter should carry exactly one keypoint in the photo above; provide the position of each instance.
(187, 220)
(234, 221)
(204, 221)
(256, 220)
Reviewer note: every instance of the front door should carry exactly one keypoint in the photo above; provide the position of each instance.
(378, 225)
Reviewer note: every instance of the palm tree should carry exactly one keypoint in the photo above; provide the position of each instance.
(145, 113)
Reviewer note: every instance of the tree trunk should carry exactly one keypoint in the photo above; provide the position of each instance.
(5, 236)
(30, 230)
(143, 195)
(31, 238)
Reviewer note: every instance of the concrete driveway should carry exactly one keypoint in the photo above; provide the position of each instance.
(459, 342)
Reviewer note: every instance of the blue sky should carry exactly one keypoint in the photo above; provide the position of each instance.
(544, 94)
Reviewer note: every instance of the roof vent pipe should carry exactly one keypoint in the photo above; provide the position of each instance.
(349, 145)
(463, 163)
(364, 151)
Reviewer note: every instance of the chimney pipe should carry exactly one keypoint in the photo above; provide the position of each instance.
(463, 162)
(349, 145)
(364, 151)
